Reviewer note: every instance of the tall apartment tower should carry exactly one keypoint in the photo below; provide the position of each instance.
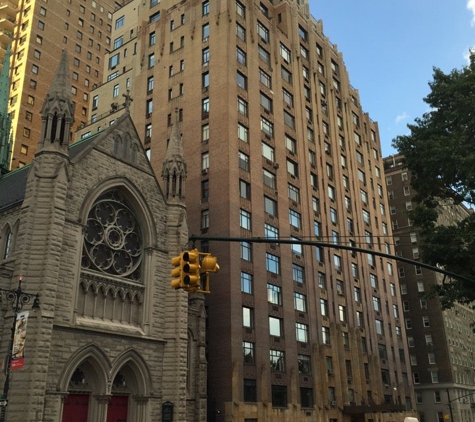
(441, 342)
(8, 10)
(277, 146)
(38, 32)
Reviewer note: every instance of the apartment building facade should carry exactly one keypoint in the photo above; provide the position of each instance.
(441, 342)
(277, 147)
(38, 30)
(8, 11)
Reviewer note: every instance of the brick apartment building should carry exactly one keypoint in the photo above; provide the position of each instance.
(37, 32)
(277, 146)
(441, 342)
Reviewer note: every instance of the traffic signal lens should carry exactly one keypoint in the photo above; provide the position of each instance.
(191, 268)
(191, 280)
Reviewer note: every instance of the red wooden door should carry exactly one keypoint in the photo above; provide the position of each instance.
(117, 409)
(75, 408)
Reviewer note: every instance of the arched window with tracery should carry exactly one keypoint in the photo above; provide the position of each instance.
(112, 258)
(8, 243)
(7, 240)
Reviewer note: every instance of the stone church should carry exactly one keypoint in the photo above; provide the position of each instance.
(88, 228)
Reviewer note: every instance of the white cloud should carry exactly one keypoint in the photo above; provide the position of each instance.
(401, 117)
(471, 7)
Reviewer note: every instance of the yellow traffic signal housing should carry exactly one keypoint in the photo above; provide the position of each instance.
(209, 264)
(176, 273)
(191, 269)
(188, 269)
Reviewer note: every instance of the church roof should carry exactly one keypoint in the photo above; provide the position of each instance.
(82, 144)
(13, 184)
(12, 188)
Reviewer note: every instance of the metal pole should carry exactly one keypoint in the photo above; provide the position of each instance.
(17, 298)
(193, 238)
(450, 406)
(6, 384)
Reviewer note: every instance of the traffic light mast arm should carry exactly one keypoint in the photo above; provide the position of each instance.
(193, 238)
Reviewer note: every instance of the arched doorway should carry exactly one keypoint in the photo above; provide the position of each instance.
(75, 408)
(129, 389)
(76, 404)
(118, 407)
(87, 399)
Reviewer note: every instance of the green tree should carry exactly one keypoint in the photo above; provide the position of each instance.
(440, 154)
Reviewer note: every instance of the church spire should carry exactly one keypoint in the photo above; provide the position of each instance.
(5, 118)
(174, 166)
(57, 113)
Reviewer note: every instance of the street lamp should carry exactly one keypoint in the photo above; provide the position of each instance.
(17, 299)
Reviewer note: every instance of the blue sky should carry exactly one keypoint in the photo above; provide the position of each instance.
(390, 48)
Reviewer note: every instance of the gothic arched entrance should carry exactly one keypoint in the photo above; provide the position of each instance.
(117, 409)
(75, 408)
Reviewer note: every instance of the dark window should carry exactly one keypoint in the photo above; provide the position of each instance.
(306, 397)
(250, 390)
(244, 189)
(305, 365)
(279, 396)
(205, 190)
(248, 351)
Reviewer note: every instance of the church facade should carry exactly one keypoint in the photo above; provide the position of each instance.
(87, 227)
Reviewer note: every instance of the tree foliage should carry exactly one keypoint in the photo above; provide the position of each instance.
(440, 154)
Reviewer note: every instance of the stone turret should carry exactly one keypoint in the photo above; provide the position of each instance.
(57, 113)
(42, 225)
(174, 167)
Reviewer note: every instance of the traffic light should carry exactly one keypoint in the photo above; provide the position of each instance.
(177, 275)
(209, 264)
(191, 270)
(188, 269)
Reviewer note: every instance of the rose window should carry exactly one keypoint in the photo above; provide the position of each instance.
(112, 239)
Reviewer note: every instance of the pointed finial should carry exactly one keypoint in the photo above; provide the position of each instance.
(57, 114)
(174, 166)
(61, 84)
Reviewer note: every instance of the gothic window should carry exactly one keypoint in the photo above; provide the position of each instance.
(78, 381)
(7, 240)
(112, 240)
(120, 383)
(7, 247)
(117, 143)
(133, 153)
